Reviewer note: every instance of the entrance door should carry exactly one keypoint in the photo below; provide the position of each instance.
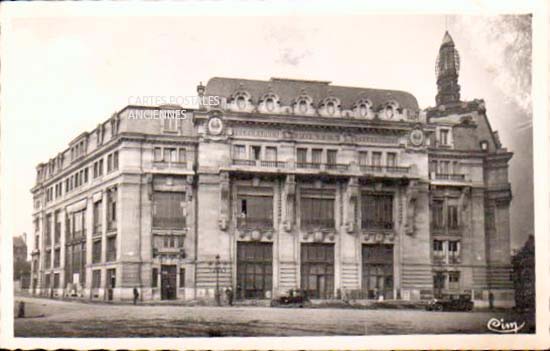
(168, 282)
(378, 271)
(111, 283)
(317, 270)
(254, 270)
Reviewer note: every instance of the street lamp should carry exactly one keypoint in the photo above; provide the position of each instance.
(217, 269)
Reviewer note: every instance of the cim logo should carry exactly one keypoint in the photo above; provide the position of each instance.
(502, 327)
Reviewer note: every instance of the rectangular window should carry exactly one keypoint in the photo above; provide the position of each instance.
(377, 159)
(332, 157)
(111, 249)
(255, 210)
(111, 209)
(363, 158)
(437, 214)
(377, 211)
(453, 246)
(79, 223)
(182, 156)
(169, 209)
(454, 280)
(433, 166)
(444, 137)
(96, 251)
(271, 153)
(85, 175)
(100, 167)
(57, 228)
(239, 152)
(96, 278)
(56, 280)
(170, 125)
(391, 159)
(109, 163)
(256, 153)
(57, 258)
(301, 155)
(182, 277)
(98, 217)
(155, 278)
(438, 246)
(452, 214)
(317, 212)
(317, 156)
(48, 260)
(115, 160)
(48, 230)
(444, 167)
(158, 154)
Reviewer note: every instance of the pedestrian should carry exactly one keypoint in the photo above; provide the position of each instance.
(229, 295)
(136, 295)
(491, 300)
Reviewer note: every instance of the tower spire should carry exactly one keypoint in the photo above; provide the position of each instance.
(447, 67)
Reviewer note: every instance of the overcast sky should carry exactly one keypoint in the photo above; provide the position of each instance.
(62, 76)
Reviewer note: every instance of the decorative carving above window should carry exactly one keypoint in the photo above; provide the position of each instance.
(241, 101)
(330, 107)
(303, 105)
(363, 109)
(390, 111)
(269, 103)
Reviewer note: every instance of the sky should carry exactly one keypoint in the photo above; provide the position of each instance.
(63, 75)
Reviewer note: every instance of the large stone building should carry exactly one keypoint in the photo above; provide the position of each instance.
(285, 184)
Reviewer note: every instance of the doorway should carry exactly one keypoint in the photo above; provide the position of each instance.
(317, 269)
(378, 271)
(168, 282)
(111, 283)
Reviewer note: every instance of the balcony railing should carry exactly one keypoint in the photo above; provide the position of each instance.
(449, 176)
(97, 229)
(387, 169)
(369, 224)
(169, 222)
(259, 163)
(162, 164)
(316, 165)
(244, 222)
(318, 222)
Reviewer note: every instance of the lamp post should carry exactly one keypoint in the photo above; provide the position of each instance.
(217, 270)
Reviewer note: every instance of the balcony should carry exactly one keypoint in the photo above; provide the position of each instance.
(376, 225)
(450, 176)
(322, 166)
(166, 165)
(385, 169)
(318, 222)
(258, 163)
(254, 222)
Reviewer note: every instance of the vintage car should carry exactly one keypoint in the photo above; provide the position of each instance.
(451, 302)
(294, 298)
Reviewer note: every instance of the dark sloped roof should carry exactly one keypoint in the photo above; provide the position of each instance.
(290, 89)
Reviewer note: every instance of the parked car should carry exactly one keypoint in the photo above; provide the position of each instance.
(294, 298)
(451, 302)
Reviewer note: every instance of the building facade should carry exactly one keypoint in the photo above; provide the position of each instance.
(286, 184)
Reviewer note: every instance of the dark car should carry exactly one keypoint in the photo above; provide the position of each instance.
(451, 302)
(294, 298)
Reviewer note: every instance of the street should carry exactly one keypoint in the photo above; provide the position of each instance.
(53, 318)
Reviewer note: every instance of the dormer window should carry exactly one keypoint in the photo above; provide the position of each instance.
(444, 137)
(331, 109)
(302, 106)
(389, 112)
(484, 145)
(363, 110)
(241, 103)
(270, 104)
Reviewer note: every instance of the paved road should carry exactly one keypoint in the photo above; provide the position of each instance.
(75, 319)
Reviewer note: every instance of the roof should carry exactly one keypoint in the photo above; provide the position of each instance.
(289, 89)
(447, 39)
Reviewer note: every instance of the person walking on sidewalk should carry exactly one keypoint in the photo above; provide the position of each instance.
(229, 295)
(136, 295)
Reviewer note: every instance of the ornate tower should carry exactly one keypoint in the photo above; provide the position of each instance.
(446, 69)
